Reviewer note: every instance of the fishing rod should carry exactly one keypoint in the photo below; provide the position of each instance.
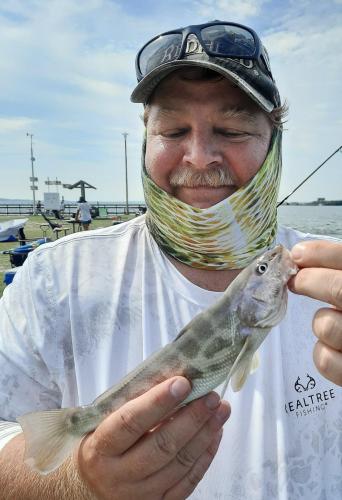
(308, 177)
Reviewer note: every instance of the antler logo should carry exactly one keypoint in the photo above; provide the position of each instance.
(311, 383)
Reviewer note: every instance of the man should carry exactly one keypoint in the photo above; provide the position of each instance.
(83, 214)
(213, 133)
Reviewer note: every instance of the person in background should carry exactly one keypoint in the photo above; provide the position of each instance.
(39, 206)
(83, 214)
(84, 311)
(62, 206)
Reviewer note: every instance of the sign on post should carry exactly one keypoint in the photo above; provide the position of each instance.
(52, 201)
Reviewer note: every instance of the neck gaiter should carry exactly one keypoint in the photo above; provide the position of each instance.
(228, 235)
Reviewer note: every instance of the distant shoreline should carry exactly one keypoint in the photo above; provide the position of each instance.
(317, 203)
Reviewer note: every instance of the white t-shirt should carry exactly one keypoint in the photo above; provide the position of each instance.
(84, 209)
(86, 309)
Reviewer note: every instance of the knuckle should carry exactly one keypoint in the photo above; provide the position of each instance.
(336, 290)
(86, 454)
(322, 359)
(326, 364)
(197, 416)
(212, 450)
(165, 443)
(196, 474)
(185, 458)
(159, 400)
(96, 448)
(324, 325)
(130, 423)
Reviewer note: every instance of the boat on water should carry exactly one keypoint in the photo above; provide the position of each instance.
(10, 230)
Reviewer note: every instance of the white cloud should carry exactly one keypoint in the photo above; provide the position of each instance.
(233, 9)
(92, 86)
(68, 70)
(282, 42)
(15, 124)
(304, 51)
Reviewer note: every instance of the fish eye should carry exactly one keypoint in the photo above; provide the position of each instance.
(262, 267)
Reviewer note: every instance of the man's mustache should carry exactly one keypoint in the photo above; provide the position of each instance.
(213, 177)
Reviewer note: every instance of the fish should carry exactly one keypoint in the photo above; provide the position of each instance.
(218, 345)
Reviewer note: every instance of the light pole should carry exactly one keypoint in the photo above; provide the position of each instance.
(125, 134)
(33, 179)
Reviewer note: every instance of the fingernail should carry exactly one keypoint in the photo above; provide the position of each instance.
(180, 388)
(212, 400)
(222, 413)
(297, 252)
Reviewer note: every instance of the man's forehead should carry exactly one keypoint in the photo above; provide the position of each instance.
(228, 111)
(174, 94)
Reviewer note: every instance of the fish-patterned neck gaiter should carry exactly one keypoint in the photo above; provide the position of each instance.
(228, 235)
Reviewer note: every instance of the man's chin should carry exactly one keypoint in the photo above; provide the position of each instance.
(204, 197)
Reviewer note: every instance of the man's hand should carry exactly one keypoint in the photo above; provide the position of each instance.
(140, 452)
(320, 277)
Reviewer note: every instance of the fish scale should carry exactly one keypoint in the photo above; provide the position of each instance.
(219, 344)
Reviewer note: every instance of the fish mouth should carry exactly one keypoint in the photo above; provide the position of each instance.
(283, 256)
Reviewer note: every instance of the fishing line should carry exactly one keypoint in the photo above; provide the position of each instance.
(308, 177)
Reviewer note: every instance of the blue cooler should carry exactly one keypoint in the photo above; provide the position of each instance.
(9, 275)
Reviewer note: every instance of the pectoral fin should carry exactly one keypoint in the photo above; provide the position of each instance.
(236, 365)
(246, 366)
(255, 362)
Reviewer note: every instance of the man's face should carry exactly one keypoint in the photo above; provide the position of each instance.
(208, 129)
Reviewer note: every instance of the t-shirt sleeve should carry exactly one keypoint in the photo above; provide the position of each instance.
(26, 314)
(8, 430)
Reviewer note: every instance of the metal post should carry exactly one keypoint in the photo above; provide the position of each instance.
(125, 134)
(33, 178)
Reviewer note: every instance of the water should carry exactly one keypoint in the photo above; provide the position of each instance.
(325, 220)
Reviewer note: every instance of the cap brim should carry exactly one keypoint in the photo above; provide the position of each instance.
(146, 86)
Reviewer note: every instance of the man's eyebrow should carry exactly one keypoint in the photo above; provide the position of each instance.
(228, 112)
(162, 112)
(240, 113)
(167, 111)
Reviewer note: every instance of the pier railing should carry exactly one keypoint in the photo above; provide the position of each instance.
(70, 209)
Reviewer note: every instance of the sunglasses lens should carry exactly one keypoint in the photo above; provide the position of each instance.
(228, 40)
(164, 49)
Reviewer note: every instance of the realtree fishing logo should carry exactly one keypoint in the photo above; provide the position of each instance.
(309, 403)
(311, 384)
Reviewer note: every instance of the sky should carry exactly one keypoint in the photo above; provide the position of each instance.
(67, 72)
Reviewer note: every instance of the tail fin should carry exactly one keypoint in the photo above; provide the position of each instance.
(49, 437)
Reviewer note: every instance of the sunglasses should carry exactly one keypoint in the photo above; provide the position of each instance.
(218, 39)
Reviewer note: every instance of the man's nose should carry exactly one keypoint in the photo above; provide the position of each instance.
(201, 151)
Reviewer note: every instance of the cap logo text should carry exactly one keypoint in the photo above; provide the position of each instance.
(193, 45)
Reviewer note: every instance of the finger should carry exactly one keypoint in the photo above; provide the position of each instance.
(187, 456)
(120, 430)
(188, 483)
(160, 447)
(327, 326)
(328, 362)
(318, 254)
(318, 283)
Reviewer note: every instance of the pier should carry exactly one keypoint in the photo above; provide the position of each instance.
(71, 208)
